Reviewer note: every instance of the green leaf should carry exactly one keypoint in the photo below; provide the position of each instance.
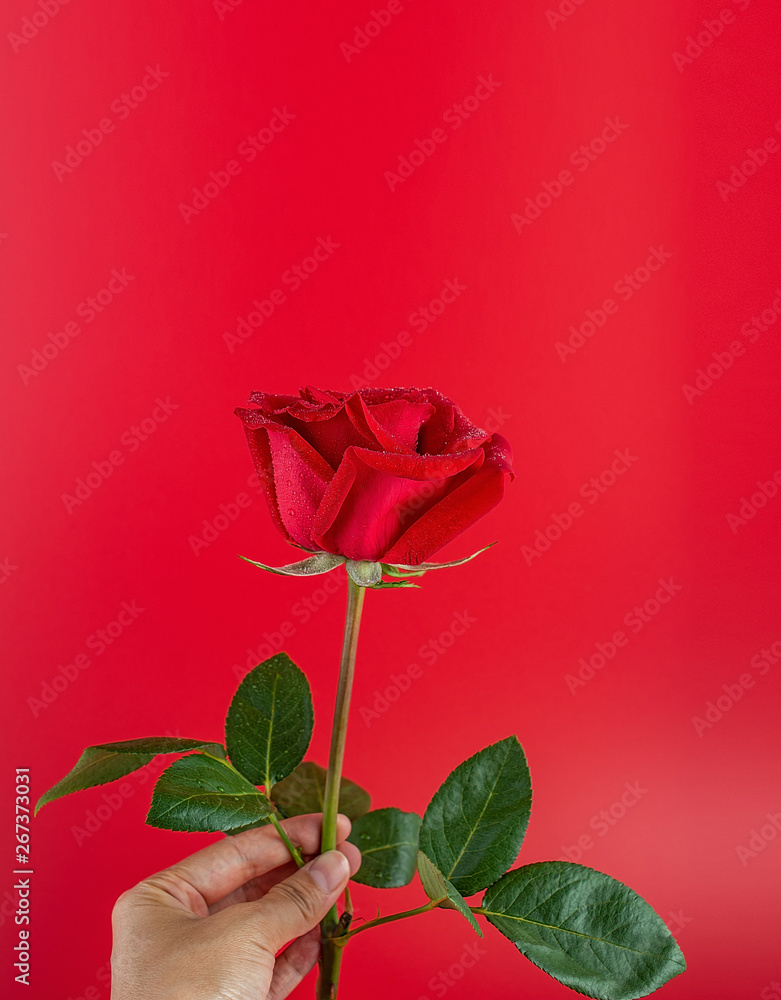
(162, 744)
(475, 824)
(200, 793)
(94, 767)
(109, 761)
(249, 826)
(399, 569)
(322, 562)
(364, 572)
(437, 886)
(303, 791)
(394, 585)
(585, 929)
(270, 721)
(388, 842)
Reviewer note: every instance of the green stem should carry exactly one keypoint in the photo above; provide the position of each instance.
(330, 965)
(331, 957)
(355, 596)
(294, 851)
(432, 903)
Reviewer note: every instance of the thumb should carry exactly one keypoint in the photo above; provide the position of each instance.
(295, 906)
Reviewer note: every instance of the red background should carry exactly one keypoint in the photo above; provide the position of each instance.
(493, 350)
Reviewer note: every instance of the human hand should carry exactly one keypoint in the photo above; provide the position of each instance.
(209, 927)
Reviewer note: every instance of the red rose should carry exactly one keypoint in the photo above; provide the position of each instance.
(386, 475)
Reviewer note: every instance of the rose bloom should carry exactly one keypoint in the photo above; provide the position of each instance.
(386, 475)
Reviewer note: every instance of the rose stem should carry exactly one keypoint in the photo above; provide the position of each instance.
(294, 851)
(331, 952)
(378, 921)
(432, 903)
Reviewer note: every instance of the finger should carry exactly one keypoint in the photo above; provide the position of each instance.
(293, 964)
(353, 855)
(258, 887)
(219, 869)
(295, 906)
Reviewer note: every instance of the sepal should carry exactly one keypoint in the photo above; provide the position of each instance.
(398, 569)
(320, 562)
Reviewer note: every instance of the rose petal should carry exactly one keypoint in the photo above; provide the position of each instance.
(315, 395)
(403, 420)
(458, 510)
(257, 438)
(293, 475)
(374, 494)
(420, 467)
(377, 395)
(448, 429)
(273, 405)
(393, 425)
(301, 478)
(319, 417)
(333, 436)
(280, 408)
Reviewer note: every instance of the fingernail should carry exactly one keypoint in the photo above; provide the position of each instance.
(329, 870)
